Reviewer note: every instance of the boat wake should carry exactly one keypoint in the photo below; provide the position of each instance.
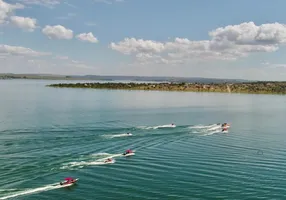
(207, 130)
(200, 126)
(157, 127)
(93, 159)
(211, 133)
(32, 191)
(102, 156)
(82, 164)
(117, 135)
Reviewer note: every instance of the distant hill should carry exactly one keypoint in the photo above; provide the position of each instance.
(120, 78)
(161, 79)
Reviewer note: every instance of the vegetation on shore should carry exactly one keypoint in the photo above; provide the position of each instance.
(248, 87)
(32, 76)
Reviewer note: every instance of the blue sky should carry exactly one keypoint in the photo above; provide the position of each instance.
(220, 39)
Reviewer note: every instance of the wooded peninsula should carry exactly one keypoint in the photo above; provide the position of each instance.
(261, 87)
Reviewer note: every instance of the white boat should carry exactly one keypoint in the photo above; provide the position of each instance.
(129, 154)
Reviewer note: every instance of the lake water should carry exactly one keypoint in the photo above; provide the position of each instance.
(47, 134)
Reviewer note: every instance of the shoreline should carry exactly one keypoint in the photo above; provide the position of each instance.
(277, 88)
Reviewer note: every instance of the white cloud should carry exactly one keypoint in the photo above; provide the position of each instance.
(250, 34)
(58, 32)
(20, 51)
(149, 58)
(46, 3)
(25, 23)
(88, 37)
(6, 9)
(132, 45)
(226, 43)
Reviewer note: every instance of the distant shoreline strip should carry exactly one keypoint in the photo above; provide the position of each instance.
(249, 87)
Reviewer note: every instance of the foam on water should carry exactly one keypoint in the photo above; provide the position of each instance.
(82, 164)
(211, 133)
(117, 135)
(34, 190)
(201, 126)
(93, 159)
(207, 130)
(100, 154)
(157, 127)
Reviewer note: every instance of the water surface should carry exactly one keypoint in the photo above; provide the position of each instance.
(47, 134)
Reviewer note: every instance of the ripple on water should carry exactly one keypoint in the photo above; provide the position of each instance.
(194, 160)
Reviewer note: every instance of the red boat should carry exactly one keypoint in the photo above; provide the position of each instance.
(69, 181)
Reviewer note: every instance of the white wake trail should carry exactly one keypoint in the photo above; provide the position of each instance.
(117, 135)
(207, 130)
(93, 161)
(36, 190)
(157, 127)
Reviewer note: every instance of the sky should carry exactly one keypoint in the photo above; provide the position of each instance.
(184, 38)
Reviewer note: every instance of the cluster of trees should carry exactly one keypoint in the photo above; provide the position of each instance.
(12, 77)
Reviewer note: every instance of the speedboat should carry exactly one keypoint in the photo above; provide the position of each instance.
(68, 181)
(225, 125)
(128, 153)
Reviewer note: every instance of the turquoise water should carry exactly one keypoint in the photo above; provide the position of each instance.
(47, 134)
